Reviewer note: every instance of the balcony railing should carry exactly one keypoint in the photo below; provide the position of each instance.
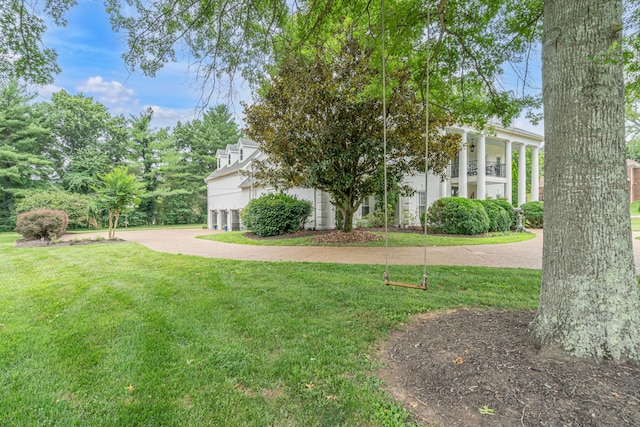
(491, 169)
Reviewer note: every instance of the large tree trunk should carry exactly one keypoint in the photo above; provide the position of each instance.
(589, 298)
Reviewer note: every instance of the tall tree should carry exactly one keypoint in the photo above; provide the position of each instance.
(589, 303)
(148, 145)
(201, 138)
(326, 131)
(24, 139)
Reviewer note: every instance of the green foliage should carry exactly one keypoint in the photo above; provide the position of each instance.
(22, 53)
(533, 214)
(275, 214)
(508, 207)
(499, 218)
(42, 224)
(326, 131)
(455, 215)
(81, 128)
(82, 210)
(376, 218)
(119, 193)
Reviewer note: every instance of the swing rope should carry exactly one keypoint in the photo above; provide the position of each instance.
(386, 276)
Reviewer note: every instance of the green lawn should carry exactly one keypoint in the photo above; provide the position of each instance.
(137, 227)
(116, 334)
(395, 239)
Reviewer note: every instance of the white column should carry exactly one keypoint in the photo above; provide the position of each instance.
(462, 168)
(482, 168)
(535, 192)
(508, 187)
(522, 175)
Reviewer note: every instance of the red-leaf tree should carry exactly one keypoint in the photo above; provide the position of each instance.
(319, 121)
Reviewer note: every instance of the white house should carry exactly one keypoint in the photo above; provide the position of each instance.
(481, 170)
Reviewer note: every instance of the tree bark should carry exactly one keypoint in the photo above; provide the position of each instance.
(589, 304)
(348, 212)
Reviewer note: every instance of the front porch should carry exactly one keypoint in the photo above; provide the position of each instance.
(483, 166)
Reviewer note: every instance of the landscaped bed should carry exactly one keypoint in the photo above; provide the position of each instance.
(369, 237)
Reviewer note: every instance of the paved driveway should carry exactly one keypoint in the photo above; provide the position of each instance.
(526, 254)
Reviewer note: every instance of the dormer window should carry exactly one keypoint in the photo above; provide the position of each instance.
(229, 159)
(218, 162)
(241, 154)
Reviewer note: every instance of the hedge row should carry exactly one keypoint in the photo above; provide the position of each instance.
(456, 215)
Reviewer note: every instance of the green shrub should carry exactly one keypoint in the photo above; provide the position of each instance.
(533, 214)
(499, 218)
(508, 207)
(81, 209)
(42, 224)
(376, 218)
(274, 214)
(455, 215)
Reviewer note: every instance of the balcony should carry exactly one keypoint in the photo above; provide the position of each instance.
(491, 169)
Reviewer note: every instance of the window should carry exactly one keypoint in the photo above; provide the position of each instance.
(241, 154)
(218, 162)
(422, 203)
(229, 159)
(365, 209)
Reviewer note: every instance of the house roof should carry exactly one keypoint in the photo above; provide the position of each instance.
(248, 182)
(246, 142)
(231, 147)
(233, 168)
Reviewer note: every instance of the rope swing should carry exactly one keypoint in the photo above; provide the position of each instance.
(387, 278)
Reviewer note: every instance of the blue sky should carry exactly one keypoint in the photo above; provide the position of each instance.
(89, 53)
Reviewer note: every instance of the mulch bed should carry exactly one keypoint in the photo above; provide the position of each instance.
(445, 367)
(80, 242)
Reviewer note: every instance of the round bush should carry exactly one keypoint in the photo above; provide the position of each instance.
(533, 214)
(499, 219)
(455, 215)
(42, 224)
(275, 214)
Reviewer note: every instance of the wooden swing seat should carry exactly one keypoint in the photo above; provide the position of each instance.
(405, 285)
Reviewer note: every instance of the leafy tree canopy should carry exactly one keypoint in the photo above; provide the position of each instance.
(324, 132)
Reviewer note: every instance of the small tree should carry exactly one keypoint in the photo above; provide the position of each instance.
(120, 193)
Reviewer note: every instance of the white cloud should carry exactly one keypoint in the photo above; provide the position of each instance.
(112, 92)
(168, 117)
(47, 90)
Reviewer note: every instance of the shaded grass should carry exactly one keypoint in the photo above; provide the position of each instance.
(121, 335)
(395, 240)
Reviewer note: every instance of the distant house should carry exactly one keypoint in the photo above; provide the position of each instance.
(633, 180)
(482, 169)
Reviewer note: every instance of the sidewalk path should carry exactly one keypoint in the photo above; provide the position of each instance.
(526, 254)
